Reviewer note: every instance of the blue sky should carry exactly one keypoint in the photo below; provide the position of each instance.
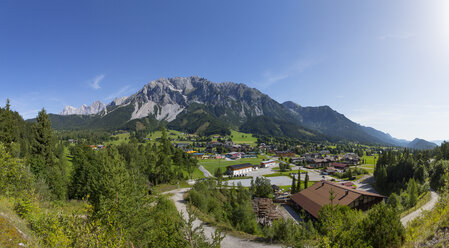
(381, 63)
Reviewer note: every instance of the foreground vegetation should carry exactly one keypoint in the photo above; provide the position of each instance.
(70, 195)
(337, 226)
(101, 198)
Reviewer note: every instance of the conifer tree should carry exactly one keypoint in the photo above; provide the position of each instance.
(306, 181)
(42, 158)
(293, 189)
(42, 144)
(9, 131)
(298, 188)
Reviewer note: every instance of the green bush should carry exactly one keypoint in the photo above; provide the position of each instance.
(23, 207)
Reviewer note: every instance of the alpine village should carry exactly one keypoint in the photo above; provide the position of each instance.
(109, 140)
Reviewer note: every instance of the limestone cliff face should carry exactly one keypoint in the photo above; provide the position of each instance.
(94, 108)
(166, 98)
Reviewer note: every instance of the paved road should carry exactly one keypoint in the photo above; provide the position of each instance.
(426, 207)
(228, 241)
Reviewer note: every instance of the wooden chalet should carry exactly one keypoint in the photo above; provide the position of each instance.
(316, 196)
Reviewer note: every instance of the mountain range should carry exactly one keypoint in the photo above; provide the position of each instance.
(196, 105)
(94, 108)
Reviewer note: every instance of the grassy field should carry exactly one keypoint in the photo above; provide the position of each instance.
(197, 174)
(122, 138)
(243, 138)
(172, 134)
(212, 164)
(368, 167)
(9, 236)
(370, 159)
(288, 188)
(286, 173)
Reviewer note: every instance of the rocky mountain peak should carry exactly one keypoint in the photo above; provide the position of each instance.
(95, 108)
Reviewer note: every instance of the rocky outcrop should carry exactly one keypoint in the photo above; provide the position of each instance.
(94, 108)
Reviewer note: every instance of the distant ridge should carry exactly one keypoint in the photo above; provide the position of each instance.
(420, 144)
(95, 108)
(196, 105)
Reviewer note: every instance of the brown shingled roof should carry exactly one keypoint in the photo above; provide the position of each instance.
(316, 196)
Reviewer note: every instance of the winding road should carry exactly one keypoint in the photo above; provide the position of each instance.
(426, 207)
(229, 241)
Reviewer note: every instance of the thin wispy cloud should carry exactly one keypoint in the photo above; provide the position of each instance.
(95, 83)
(296, 68)
(124, 91)
(396, 36)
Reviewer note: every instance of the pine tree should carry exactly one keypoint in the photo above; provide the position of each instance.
(306, 181)
(298, 188)
(9, 131)
(42, 158)
(42, 144)
(293, 189)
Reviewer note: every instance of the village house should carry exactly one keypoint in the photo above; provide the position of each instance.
(314, 163)
(324, 152)
(198, 155)
(217, 156)
(351, 159)
(234, 155)
(340, 166)
(285, 154)
(331, 158)
(239, 169)
(215, 144)
(249, 156)
(329, 171)
(298, 160)
(312, 155)
(268, 163)
(181, 145)
(318, 195)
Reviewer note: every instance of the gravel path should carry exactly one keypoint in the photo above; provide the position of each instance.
(205, 172)
(426, 207)
(228, 241)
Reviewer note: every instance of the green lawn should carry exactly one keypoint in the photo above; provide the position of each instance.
(197, 174)
(288, 188)
(212, 164)
(243, 138)
(368, 167)
(172, 134)
(370, 159)
(122, 138)
(285, 173)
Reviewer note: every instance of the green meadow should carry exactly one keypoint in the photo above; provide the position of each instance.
(212, 164)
